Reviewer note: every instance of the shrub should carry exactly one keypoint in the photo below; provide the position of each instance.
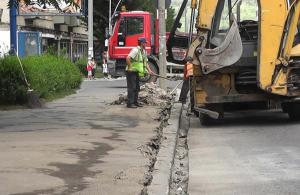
(48, 76)
(12, 88)
(81, 64)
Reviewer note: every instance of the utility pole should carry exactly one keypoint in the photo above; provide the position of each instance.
(109, 19)
(13, 27)
(162, 43)
(90, 29)
(71, 46)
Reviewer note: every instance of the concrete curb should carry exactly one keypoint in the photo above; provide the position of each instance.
(165, 158)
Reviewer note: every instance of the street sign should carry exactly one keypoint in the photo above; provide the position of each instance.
(29, 43)
(168, 3)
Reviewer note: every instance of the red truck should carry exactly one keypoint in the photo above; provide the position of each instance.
(129, 26)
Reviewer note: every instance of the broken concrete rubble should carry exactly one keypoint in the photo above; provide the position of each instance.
(150, 94)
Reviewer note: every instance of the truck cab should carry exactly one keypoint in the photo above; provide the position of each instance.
(129, 26)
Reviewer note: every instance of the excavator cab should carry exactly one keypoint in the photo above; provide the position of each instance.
(246, 55)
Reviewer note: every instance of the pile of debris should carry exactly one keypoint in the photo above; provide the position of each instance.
(150, 94)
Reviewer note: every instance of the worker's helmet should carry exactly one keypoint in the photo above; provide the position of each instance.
(142, 40)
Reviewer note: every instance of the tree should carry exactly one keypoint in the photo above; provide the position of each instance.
(170, 18)
(144, 5)
(54, 3)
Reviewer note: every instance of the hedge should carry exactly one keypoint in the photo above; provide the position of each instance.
(47, 75)
(81, 64)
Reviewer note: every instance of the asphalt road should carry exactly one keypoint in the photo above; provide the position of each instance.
(246, 153)
(78, 145)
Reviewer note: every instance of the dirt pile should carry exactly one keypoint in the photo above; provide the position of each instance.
(150, 94)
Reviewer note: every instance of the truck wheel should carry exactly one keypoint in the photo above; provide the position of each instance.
(293, 110)
(150, 78)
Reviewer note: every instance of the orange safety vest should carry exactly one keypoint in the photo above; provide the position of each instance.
(188, 70)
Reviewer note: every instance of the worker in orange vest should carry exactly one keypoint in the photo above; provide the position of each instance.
(188, 72)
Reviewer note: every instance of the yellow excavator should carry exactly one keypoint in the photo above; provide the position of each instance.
(246, 55)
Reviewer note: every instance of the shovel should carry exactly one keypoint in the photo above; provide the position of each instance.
(161, 76)
(176, 87)
(33, 100)
(169, 80)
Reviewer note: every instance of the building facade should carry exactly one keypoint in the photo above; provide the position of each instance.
(63, 35)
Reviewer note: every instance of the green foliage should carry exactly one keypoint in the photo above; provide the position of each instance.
(142, 5)
(81, 64)
(54, 3)
(48, 76)
(12, 88)
(52, 50)
(170, 18)
(249, 10)
(63, 52)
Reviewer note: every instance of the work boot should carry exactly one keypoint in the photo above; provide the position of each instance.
(131, 106)
(180, 101)
(138, 104)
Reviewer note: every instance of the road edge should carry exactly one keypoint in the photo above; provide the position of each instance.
(165, 158)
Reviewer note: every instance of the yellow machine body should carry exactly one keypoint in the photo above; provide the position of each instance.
(252, 62)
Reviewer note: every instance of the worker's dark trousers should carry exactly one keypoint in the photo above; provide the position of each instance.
(133, 87)
(184, 90)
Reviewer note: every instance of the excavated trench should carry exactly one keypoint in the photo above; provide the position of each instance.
(180, 167)
(151, 149)
(151, 94)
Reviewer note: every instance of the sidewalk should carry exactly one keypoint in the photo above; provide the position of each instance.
(76, 145)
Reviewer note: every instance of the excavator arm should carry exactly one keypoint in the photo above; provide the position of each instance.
(277, 54)
(175, 40)
(227, 48)
(278, 72)
(241, 61)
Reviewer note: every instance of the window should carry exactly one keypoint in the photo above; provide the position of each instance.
(122, 26)
(221, 23)
(248, 10)
(152, 30)
(225, 20)
(221, 20)
(135, 25)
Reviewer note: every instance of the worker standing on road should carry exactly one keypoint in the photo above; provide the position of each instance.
(188, 73)
(137, 66)
(104, 65)
(94, 68)
(89, 68)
